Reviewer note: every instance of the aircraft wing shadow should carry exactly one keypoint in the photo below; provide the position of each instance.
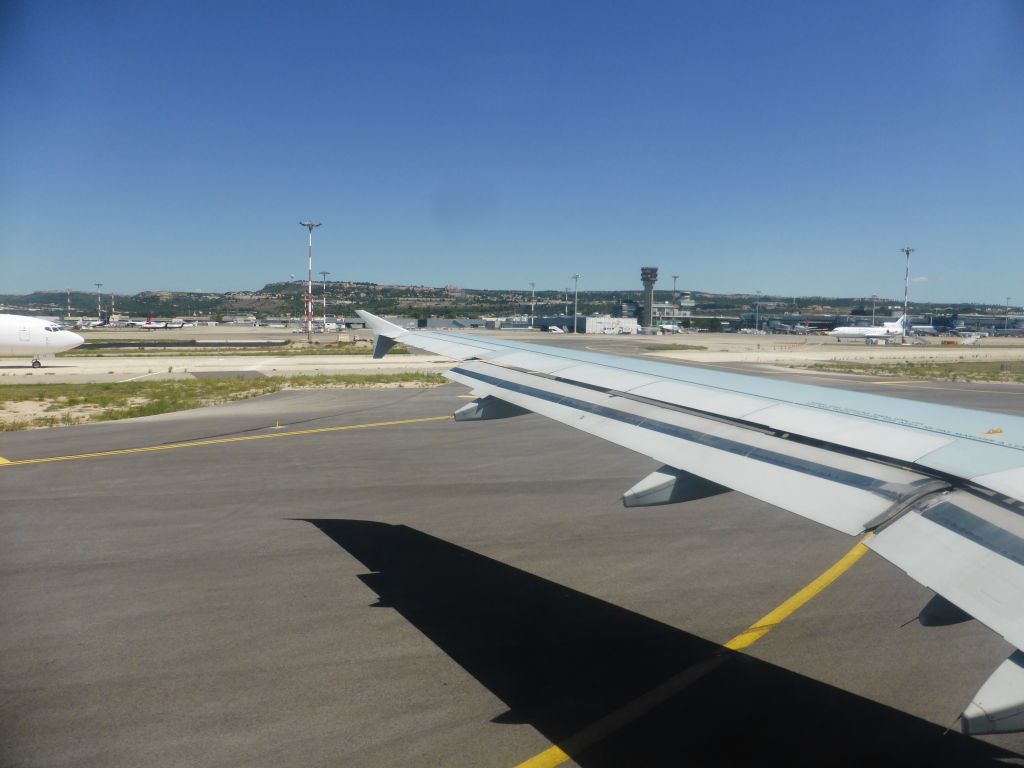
(578, 670)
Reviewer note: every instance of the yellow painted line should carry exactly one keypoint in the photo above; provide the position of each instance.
(549, 758)
(769, 621)
(4, 461)
(626, 714)
(220, 441)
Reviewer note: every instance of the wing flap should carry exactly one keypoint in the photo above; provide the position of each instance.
(969, 549)
(1009, 481)
(843, 492)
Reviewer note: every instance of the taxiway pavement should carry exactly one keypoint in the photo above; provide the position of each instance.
(372, 584)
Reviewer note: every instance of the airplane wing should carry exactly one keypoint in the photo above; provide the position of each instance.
(941, 489)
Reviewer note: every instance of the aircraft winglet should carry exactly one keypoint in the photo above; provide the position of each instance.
(384, 333)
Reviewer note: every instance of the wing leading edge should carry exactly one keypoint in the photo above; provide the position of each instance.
(942, 488)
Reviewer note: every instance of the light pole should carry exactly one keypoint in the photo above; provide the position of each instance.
(906, 291)
(757, 313)
(99, 302)
(566, 296)
(324, 276)
(874, 299)
(309, 281)
(533, 301)
(69, 302)
(575, 301)
(1006, 320)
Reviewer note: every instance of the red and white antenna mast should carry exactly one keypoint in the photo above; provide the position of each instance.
(309, 281)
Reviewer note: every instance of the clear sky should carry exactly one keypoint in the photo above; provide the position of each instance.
(787, 147)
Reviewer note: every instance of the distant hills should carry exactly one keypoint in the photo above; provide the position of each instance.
(287, 299)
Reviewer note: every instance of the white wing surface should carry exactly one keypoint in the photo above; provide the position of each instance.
(941, 488)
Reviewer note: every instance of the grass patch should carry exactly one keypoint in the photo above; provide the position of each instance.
(48, 405)
(957, 371)
(675, 347)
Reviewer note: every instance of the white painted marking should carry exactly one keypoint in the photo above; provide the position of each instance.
(136, 378)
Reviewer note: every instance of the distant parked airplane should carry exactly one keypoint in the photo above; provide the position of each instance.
(101, 323)
(865, 332)
(949, 326)
(779, 327)
(150, 325)
(33, 337)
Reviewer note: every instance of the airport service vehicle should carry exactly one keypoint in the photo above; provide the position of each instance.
(936, 490)
(33, 337)
(864, 332)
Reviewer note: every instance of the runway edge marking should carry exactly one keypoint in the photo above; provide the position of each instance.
(219, 441)
(592, 734)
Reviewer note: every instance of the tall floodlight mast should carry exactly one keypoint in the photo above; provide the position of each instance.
(324, 276)
(575, 302)
(533, 301)
(309, 281)
(99, 302)
(906, 292)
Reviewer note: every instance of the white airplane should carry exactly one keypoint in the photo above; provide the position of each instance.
(949, 326)
(936, 490)
(151, 325)
(101, 323)
(147, 323)
(22, 336)
(883, 331)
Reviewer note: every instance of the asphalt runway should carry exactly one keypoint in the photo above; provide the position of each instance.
(372, 584)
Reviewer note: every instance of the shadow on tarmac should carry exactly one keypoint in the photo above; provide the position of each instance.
(563, 661)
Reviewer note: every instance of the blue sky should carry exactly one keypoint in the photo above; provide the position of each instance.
(787, 147)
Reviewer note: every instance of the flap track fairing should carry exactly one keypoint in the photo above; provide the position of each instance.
(669, 485)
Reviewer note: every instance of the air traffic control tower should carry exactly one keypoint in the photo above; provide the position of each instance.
(649, 276)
